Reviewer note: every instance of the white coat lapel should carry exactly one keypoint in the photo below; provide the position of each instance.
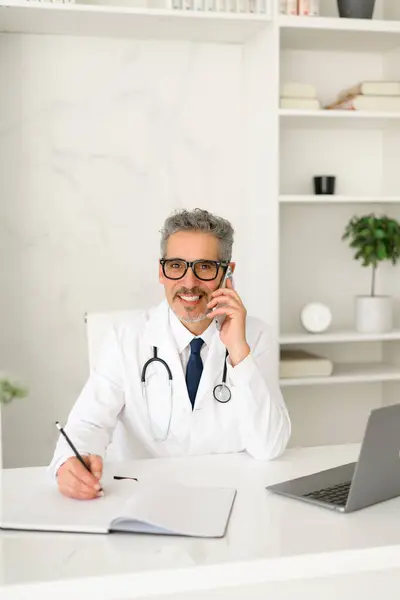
(158, 333)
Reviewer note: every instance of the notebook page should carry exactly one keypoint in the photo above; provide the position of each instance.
(44, 508)
(177, 509)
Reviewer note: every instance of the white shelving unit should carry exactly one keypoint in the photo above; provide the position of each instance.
(372, 372)
(359, 148)
(326, 34)
(350, 373)
(129, 22)
(322, 119)
(335, 337)
(356, 372)
(336, 199)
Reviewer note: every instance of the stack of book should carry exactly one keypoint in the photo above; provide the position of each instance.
(305, 8)
(369, 95)
(301, 96)
(299, 363)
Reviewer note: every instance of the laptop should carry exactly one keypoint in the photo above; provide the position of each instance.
(374, 478)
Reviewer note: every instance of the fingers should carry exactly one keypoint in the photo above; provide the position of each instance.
(227, 293)
(225, 301)
(96, 465)
(77, 469)
(226, 312)
(79, 491)
(70, 492)
(75, 481)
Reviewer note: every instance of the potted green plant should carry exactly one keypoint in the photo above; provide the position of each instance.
(374, 239)
(8, 391)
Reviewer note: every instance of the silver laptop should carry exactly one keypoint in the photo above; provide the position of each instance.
(375, 477)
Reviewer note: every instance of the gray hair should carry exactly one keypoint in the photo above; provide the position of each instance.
(203, 221)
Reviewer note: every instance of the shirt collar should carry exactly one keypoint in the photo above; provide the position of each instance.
(183, 336)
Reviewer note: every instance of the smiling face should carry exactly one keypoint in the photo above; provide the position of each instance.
(188, 297)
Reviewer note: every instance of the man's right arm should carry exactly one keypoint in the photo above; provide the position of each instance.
(95, 414)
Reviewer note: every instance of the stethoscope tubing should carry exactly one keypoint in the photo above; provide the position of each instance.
(220, 388)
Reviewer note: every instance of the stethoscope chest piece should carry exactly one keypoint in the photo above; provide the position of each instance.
(222, 393)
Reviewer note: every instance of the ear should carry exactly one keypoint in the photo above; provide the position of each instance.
(232, 266)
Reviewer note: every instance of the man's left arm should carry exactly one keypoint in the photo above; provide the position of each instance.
(265, 421)
(261, 409)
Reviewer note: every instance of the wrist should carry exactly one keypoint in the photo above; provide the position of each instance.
(238, 353)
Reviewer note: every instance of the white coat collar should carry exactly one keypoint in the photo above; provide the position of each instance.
(157, 329)
(163, 325)
(158, 333)
(183, 336)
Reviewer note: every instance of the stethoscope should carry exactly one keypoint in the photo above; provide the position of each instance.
(221, 391)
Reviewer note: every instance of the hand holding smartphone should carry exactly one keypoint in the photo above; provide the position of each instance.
(219, 320)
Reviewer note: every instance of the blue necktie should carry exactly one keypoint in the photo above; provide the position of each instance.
(194, 368)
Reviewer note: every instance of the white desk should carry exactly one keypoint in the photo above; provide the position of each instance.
(270, 543)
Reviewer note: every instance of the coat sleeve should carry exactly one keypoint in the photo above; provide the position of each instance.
(94, 416)
(264, 418)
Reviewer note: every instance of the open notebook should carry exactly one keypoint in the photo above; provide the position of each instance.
(129, 506)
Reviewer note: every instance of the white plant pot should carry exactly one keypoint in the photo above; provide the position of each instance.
(373, 314)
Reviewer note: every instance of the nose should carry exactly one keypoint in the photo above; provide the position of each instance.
(190, 280)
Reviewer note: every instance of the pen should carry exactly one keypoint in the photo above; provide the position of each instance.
(74, 450)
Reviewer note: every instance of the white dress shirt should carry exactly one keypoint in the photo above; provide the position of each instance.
(183, 337)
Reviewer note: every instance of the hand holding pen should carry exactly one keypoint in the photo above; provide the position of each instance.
(78, 477)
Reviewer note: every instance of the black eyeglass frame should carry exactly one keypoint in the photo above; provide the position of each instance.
(217, 263)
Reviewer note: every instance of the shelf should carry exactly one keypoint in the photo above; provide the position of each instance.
(111, 21)
(348, 35)
(336, 199)
(350, 373)
(335, 337)
(301, 119)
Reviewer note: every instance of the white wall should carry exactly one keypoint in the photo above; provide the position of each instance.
(99, 140)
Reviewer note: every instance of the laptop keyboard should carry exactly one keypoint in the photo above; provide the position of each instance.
(335, 494)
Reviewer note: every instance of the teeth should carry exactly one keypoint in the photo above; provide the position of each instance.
(190, 298)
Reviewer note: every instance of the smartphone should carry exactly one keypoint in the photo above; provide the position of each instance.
(219, 320)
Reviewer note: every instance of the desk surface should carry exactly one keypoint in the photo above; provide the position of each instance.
(268, 538)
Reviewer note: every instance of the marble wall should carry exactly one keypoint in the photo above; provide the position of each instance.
(100, 140)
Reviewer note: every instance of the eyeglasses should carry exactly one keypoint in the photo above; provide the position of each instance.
(206, 270)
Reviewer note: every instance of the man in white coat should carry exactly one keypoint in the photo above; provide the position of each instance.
(178, 410)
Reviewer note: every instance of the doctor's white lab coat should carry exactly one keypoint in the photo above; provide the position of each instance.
(111, 405)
